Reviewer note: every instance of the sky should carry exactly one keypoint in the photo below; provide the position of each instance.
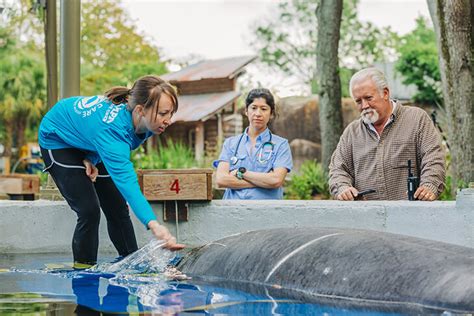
(223, 28)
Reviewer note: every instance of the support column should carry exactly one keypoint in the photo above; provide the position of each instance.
(199, 146)
(51, 49)
(70, 48)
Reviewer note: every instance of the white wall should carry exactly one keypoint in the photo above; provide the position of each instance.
(47, 226)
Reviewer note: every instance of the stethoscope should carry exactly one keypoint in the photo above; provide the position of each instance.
(263, 155)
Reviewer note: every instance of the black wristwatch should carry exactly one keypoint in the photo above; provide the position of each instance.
(240, 173)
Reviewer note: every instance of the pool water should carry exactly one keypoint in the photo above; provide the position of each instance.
(46, 285)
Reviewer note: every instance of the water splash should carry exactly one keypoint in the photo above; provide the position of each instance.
(141, 273)
(152, 258)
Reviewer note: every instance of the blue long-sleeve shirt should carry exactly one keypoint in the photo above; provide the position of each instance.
(106, 131)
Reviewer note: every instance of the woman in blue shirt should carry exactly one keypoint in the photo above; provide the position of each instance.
(86, 144)
(253, 165)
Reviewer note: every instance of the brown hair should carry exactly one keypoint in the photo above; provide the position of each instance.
(146, 91)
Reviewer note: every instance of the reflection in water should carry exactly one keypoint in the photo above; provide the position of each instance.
(34, 304)
(108, 293)
(94, 292)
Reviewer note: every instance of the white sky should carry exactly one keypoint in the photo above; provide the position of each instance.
(222, 28)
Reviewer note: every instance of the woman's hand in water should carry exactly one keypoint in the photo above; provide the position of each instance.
(162, 233)
(91, 171)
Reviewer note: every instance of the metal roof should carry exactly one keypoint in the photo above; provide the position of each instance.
(211, 69)
(198, 107)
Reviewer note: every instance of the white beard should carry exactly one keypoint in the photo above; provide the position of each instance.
(369, 116)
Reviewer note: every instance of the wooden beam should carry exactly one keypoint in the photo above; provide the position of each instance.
(220, 132)
(199, 146)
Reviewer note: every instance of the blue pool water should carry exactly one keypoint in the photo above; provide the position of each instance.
(45, 284)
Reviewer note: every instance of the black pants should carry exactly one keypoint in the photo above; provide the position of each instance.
(86, 198)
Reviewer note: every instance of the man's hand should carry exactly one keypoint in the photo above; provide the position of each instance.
(348, 194)
(91, 171)
(424, 194)
(162, 233)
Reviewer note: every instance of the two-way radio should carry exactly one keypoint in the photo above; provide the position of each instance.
(412, 181)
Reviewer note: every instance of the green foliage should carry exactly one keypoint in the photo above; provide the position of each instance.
(450, 189)
(43, 178)
(448, 194)
(287, 42)
(345, 75)
(174, 155)
(418, 62)
(22, 87)
(308, 183)
(113, 52)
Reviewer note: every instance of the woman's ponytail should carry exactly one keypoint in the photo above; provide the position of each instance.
(118, 95)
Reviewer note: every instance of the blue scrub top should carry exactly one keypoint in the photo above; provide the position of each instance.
(260, 159)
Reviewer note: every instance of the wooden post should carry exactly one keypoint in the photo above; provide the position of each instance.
(220, 133)
(199, 146)
(6, 164)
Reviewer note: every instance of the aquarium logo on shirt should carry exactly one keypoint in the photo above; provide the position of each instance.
(86, 106)
(112, 113)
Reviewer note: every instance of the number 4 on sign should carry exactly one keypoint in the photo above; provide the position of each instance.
(175, 186)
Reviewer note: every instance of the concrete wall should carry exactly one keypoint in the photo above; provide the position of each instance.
(46, 226)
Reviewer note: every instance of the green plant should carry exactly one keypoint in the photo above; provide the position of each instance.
(286, 40)
(43, 178)
(308, 183)
(447, 194)
(418, 62)
(173, 155)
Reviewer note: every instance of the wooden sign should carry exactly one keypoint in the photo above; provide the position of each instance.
(176, 184)
(19, 184)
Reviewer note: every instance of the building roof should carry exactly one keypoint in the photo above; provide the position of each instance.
(198, 107)
(211, 69)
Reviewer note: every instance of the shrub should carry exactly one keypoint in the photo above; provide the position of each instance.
(174, 155)
(308, 183)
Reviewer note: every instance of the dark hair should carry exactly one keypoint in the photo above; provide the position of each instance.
(261, 93)
(146, 91)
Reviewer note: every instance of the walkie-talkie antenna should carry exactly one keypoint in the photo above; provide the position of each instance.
(412, 183)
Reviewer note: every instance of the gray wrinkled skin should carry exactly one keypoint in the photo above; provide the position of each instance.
(363, 267)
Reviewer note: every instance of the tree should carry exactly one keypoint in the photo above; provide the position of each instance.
(22, 97)
(21, 85)
(453, 26)
(418, 63)
(327, 77)
(113, 52)
(287, 42)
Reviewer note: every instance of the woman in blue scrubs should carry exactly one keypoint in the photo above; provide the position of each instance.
(253, 165)
(86, 144)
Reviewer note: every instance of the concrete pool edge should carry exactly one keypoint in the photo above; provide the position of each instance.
(47, 226)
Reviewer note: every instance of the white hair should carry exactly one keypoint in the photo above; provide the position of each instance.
(373, 73)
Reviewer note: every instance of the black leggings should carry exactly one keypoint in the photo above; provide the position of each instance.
(86, 198)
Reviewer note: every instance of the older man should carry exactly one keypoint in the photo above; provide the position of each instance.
(372, 151)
